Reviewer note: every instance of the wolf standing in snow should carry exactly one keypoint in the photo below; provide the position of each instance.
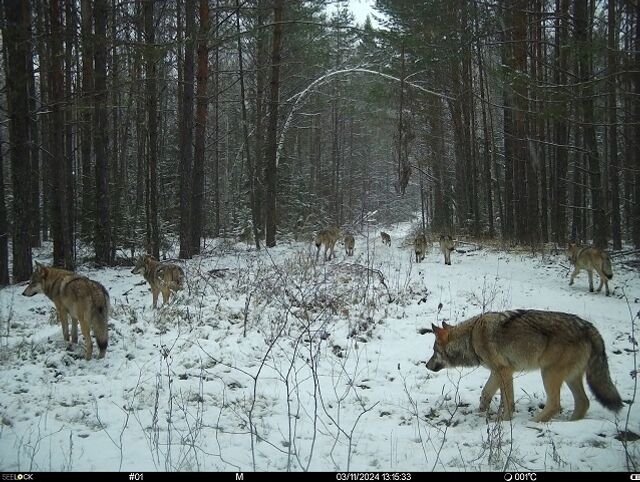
(590, 259)
(328, 237)
(563, 346)
(386, 239)
(85, 300)
(420, 247)
(165, 277)
(349, 244)
(446, 246)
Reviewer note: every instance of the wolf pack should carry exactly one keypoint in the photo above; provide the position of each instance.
(562, 346)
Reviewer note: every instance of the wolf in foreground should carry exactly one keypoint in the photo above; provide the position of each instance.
(83, 299)
(563, 346)
(590, 259)
(162, 277)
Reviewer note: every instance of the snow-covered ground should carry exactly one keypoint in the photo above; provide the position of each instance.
(269, 361)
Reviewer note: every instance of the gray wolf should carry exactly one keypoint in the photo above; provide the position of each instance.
(446, 246)
(83, 299)
(162, 277)
(590, 259)
(386, 239)
(420, 247)
(327, 237)
(563, 346)
(349, 244)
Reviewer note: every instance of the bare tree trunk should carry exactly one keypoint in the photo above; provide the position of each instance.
(488, 145)
(62, 239)
(151, 177)
(560, 128)
(141, 131)
(87, 206)
(245, 130)
(635, 230)
(35, 147)
(271, 175)
(102, 241)
(202, 102)
(186, 133)
(216, 131)
(614, 165)
(69, 151)
(583, 40)
(261, 59)
(4, 224)
(45, 180)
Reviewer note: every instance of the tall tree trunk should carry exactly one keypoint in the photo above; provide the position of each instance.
(102, 241)
(141, 131)
(614, 165)
(4, 224)
(635, 230)
(522, 168)
(44, 56)
(216, 130)
(87, 180)
(151, 178)
(245, 130)
(261, 59)
(62, 239)
(202, 102)
(583, 29)
(560, 129)
(69, 151)
(488, 145)
(35, 146)
(271, 175)
(186, 133)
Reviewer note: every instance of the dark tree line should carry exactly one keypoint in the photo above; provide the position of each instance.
(135, 125)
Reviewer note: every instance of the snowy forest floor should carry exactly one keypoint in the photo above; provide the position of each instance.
(321, 362)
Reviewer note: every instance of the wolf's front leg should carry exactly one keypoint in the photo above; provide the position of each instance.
(575, 273)
(489, 390)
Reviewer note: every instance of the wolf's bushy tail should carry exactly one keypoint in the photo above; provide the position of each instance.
(598, 376)
(606, 266)
(100, 317)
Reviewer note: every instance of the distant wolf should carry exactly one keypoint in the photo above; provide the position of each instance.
(165, 277)
(349, 244)
(420, 247)
(386, 239)
(590, 259)
(446, 246)
(328, 237)
(563, 346)
(85, 300)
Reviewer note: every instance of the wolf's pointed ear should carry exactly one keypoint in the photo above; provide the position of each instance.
(442, 334)
(39, 265)
(445, 325)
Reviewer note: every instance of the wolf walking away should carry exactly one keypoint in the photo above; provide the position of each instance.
(386, 239)
(420, 247)
(328, 237)
(349, 244)
(446, 246)
(85, 300)
(590, 259)
(563, 346)
(162, 277)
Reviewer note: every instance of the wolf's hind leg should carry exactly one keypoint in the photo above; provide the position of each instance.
(552, 380)
(581, 402)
